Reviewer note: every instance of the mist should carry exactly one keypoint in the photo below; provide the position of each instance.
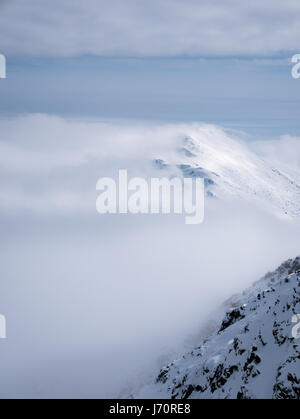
(95, 304)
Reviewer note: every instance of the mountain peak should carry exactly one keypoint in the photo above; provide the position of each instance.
(231, 168)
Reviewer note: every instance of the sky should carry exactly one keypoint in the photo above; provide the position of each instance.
(139, 28)
(259, 96)
(93, 86)
(165, 61)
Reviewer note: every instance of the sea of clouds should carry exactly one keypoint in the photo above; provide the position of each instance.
(96, 303)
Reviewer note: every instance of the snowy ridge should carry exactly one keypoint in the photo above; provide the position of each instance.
(231, 168)
(251, 354)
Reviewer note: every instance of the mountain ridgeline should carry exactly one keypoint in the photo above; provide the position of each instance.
(230, 168)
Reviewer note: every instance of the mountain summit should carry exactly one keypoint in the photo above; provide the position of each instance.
(231, 168)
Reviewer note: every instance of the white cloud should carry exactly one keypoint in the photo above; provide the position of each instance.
(93, 301)
(49, 164)
(149, 28)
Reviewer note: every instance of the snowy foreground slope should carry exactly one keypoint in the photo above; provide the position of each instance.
(251, 354)
(231, 168)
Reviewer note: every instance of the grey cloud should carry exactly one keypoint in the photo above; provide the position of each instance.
(142, 28)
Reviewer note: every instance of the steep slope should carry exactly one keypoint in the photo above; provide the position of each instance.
(251, 354)
(231, 168)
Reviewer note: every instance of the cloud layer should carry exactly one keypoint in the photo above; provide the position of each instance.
(142, 28)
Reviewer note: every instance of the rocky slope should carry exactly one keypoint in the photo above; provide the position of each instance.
(252, 353)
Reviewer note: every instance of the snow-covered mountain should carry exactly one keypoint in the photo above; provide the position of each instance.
(251, 353)
(231, 168)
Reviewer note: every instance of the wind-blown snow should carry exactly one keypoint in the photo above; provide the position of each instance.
(231, 168)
